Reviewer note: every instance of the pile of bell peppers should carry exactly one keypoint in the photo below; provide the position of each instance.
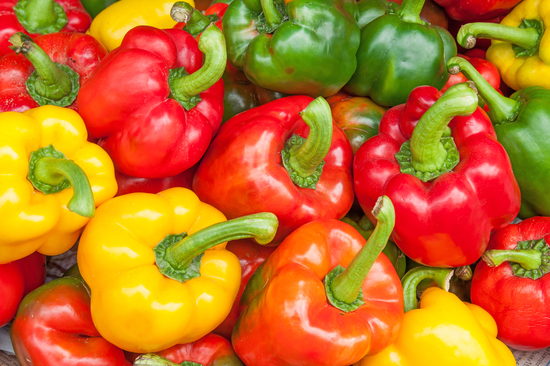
(275, 183)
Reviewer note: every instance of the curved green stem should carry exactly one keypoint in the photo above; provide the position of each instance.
(272, 15)
(212, 44)
(529, 259)
(151, 359)
(501, 109)
(428, 153)
(345, 286)
(196, 22)
(175, 256)
(410, 10)
(40, 16)
(441, 276)
(526, 38)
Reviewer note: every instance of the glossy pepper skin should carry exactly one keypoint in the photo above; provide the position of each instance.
(116, 252)
(485, 68)
(286, 299)
(94, 7)
(111, 26)
(298, 47)
(242, 172)
(443, 331)
(388, 62)
(41, 17)
(127, 184)
(80, 52)
(480, 192)
(17, 279)
(372, 9)
(54, 327)
(129, 103)
(210, 350)
(521, 124)
(34, 221)
(471, 11)
(520, 48)
(521, 282)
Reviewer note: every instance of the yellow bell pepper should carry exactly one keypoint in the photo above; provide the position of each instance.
(153, 288)
(111, 25)
(520, 47)
(444, 331)
(34, 221)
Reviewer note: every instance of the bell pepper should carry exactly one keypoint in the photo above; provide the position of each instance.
(51, 180)
(279, 158)
(145, 257)
(443, 331)
(210, 350)
(511, 283)
(438, 175)
(359, 117)
(519, 50)
(251, 256)
(388, 63)
(296, 47)
(128, 184)
(522, 126)
(94, 7)
(323, 284)
(17, 279)
(111, 25)
(35, 17)
(47, 71)
(53, 327)
(471, 11)
(372, 9)
(485, 68)
(152, 104)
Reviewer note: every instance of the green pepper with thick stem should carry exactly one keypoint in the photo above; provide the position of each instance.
(399, 52)
(298, 47)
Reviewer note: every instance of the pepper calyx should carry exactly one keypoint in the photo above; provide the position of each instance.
(188, 103)
(344, 306)
(42, 17)
(67, 100)
(302, 182)
(179, 274)
(539, 27)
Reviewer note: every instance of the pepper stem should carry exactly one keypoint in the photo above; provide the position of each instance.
(529, 259)
(212, 44)
(40, 16)
(428, 153)
(51, 85)
(441, 276)
(345, 286)
(526, 38)
(410, 10)
(501, 109)
(174, 258)
(196, 22)
(151, 359)
(272, 15)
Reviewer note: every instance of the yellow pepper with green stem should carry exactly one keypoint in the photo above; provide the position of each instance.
(48, 193)
(154, 284)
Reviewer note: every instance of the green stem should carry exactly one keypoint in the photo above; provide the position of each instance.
(410, 10)
(40, 16)
(464, 273)
(272, 15)
(175, 258)
(52, 171)
(196, 22)
(428, 153)
(501, 109)
(212, 44)
(305, 159)
(529, 259)
(52, 83)
(345, 286)
(151, 359)
(441, 276)
(526, 38)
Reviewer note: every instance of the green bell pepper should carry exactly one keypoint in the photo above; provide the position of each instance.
(303, 47)
(398, 52)
(94, 7)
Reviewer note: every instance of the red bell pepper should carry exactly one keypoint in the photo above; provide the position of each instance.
(324, 297)
(35, 17)
(251, 256)
(23, 87)
(513, 285)
(450, 192)
(153, 118)
(210, 350)
(261, 161)
(17, 279)
(127, 184)
(53, 327)
(487, 70)
(470, 11)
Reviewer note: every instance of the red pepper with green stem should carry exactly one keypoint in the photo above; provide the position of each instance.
(127, 184)
(512, 283)
(438, 175)
(469, 11)
(47, 70)
(286, 298)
